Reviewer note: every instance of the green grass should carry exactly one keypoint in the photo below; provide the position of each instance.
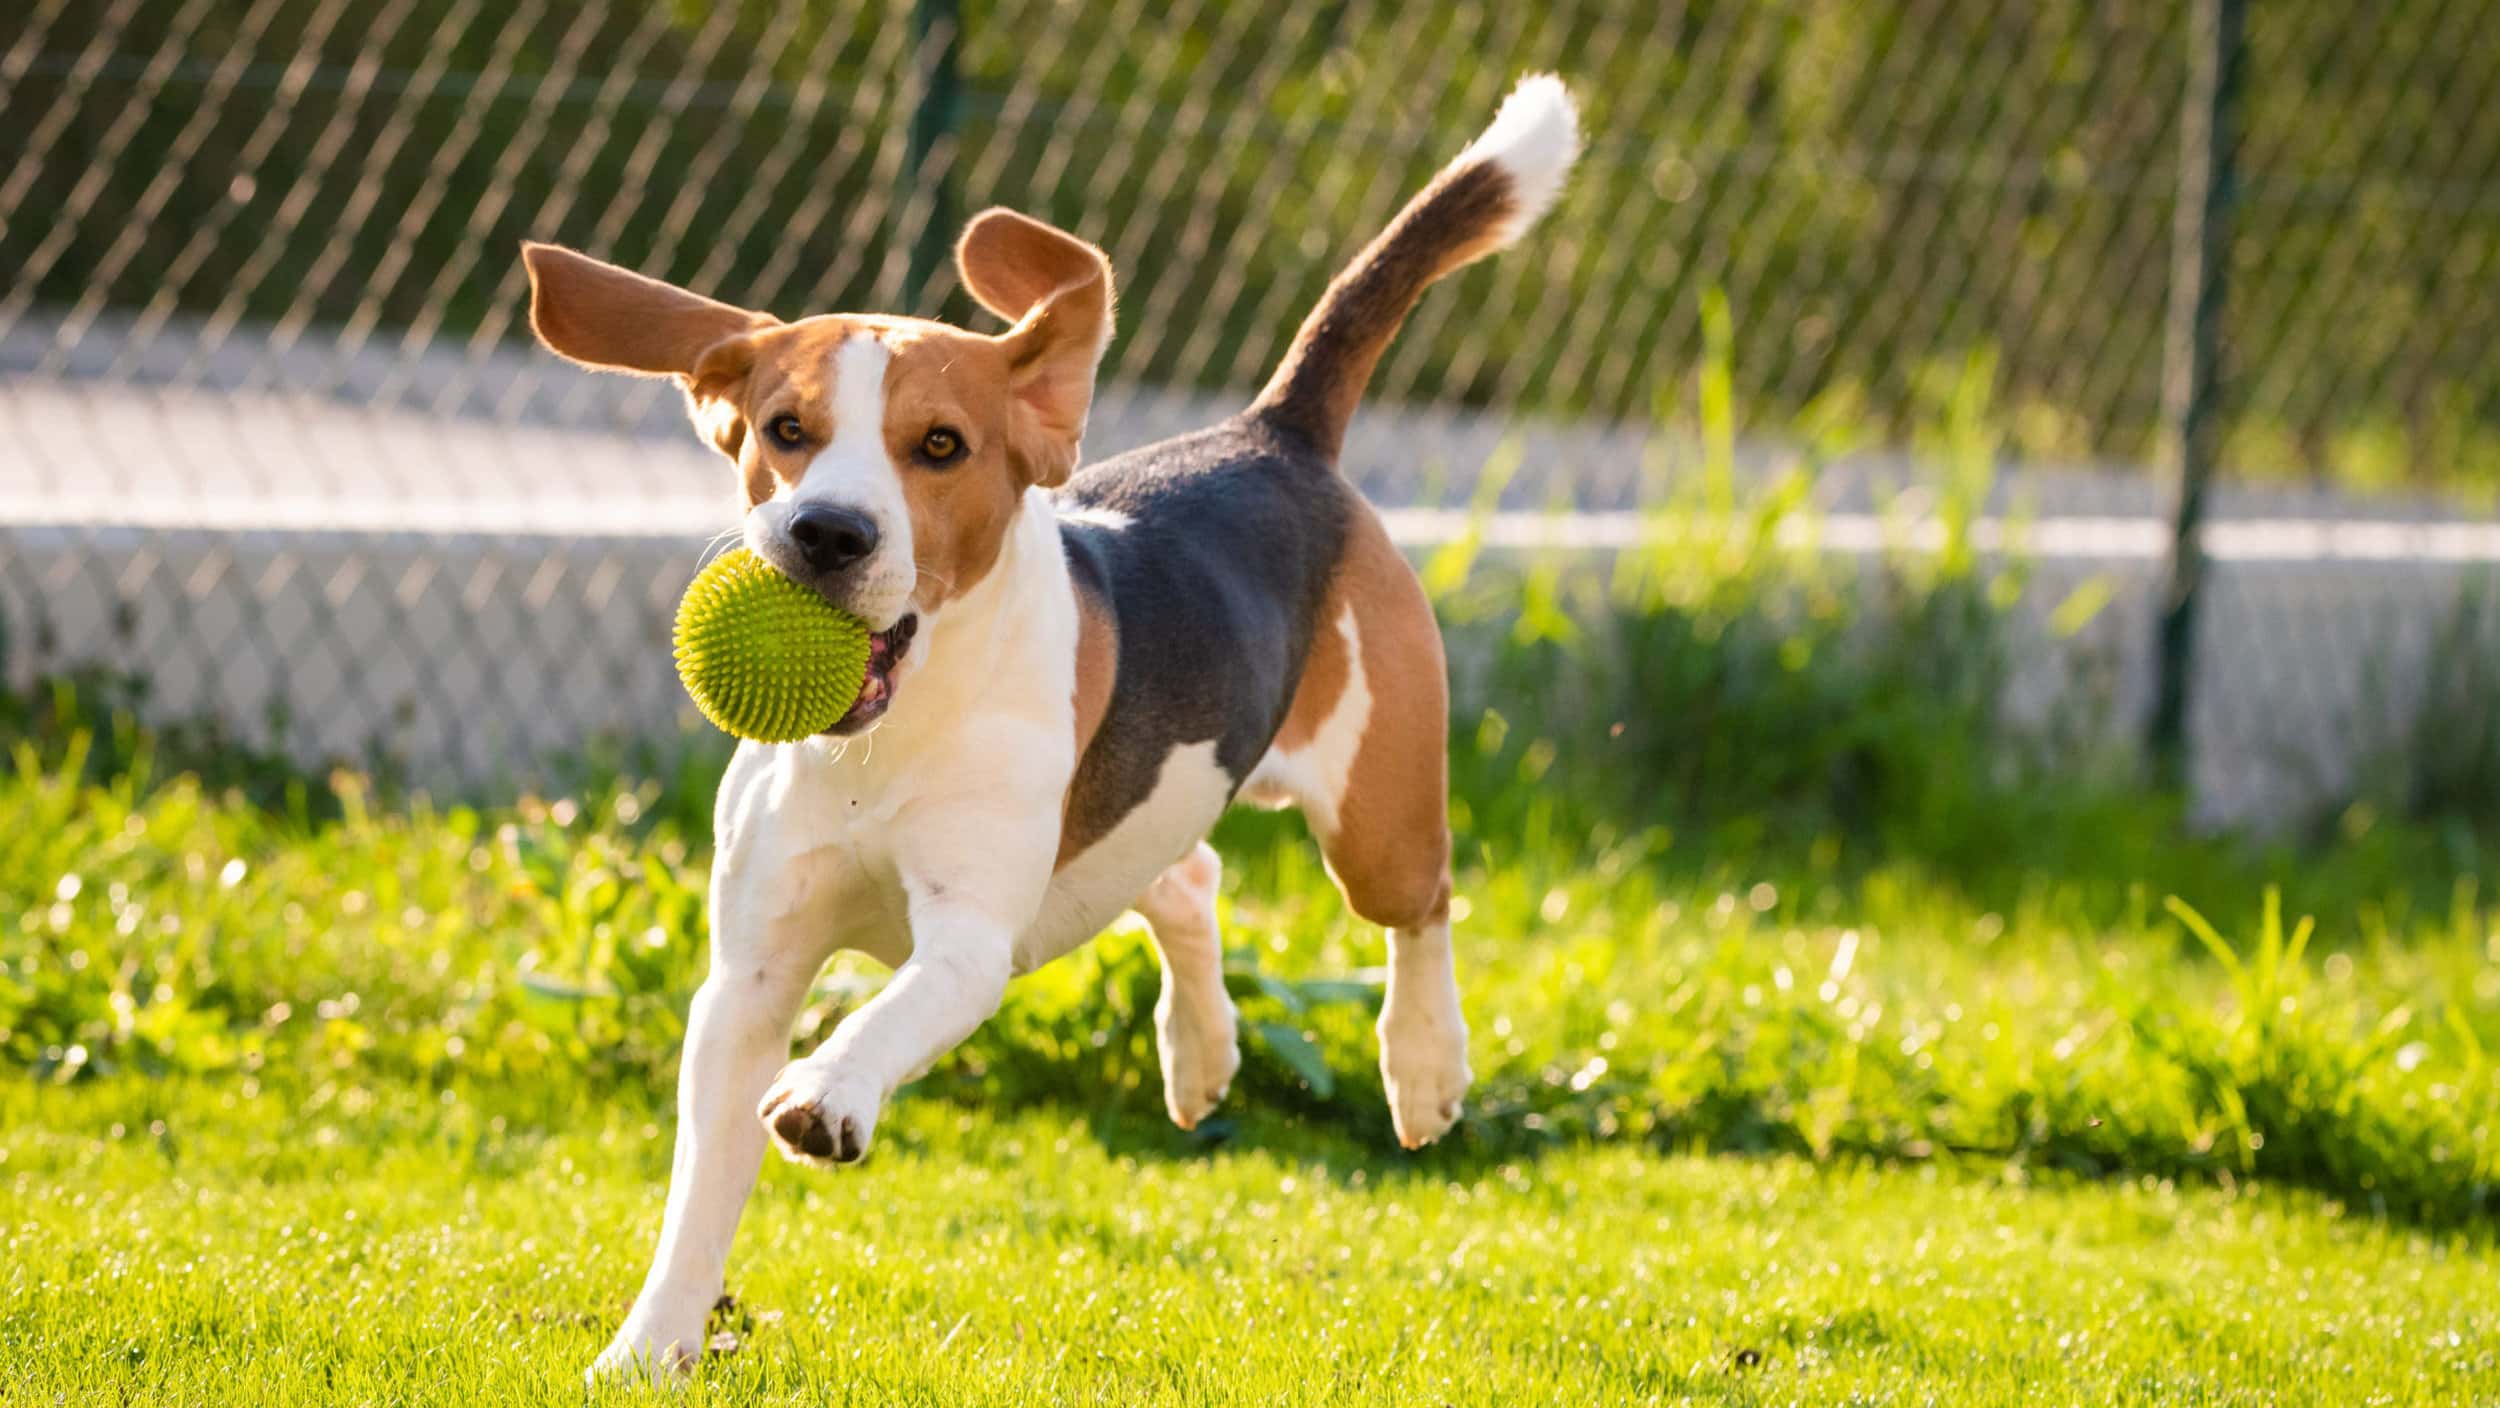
(184, 1242)
(1620, 990)
(1837, 1040)
(326, 1103)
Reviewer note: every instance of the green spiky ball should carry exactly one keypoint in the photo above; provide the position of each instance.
(764, 657)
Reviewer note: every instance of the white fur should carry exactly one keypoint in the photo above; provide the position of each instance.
(1423, 1036)
(1095, 514)
(1535, 137)
(1197, 1031)
(1313, 777)
(927, 844)
(852, 471)
(773, 926)
(1093, 888)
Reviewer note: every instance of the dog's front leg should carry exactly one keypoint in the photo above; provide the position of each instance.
(736, 1034)
(823, 1107)
(771, 932)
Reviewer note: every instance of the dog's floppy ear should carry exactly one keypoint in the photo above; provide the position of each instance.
(592, 312)
(1056, 289)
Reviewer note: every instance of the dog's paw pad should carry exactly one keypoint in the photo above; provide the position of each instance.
(813, 1124)
(806, 1133)
(1420, 1121)
(800, 1128)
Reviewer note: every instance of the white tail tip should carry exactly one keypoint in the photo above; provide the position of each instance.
(1535, 137)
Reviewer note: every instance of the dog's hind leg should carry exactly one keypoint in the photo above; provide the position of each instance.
(1196, 1032)
(1364, 753)
(1423, 1034)
(1389, 848)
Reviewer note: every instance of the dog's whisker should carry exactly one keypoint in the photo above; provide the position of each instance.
(719, 543)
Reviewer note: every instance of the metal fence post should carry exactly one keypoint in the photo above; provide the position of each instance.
(2191, 350)
(937, 42)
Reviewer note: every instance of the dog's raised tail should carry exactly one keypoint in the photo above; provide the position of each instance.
(1481, 202)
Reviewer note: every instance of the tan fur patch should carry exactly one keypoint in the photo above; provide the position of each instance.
(1324, 673)
(942, 378)
(1097, 670)
(1391, 845)
(594, 313)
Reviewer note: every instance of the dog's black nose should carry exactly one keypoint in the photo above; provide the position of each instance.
(831, 539)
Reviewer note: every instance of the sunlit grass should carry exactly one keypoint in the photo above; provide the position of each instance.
(180, 1242)
(1617, 996)
(1834, 1041)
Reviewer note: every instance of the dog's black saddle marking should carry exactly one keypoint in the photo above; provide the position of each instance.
(1217, 580)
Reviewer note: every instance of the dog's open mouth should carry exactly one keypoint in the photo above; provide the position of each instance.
(886, 650)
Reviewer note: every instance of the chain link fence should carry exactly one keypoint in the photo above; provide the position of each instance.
(271, 436)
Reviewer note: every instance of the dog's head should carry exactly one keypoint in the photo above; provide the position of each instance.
(882, 458)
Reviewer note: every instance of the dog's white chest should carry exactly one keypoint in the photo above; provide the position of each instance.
(807, 830)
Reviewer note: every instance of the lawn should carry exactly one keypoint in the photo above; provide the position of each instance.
(330, 1101)
(1837, 1039)
(187, 1243)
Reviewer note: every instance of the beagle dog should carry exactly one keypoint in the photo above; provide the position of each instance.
(1073, 675)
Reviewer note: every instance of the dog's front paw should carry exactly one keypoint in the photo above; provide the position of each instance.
(640, 1355)
(1423, 1062)
(817, 1117)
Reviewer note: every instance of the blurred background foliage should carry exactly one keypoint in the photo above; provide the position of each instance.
(1879, 187)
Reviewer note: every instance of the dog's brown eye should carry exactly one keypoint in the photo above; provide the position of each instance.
(941, 445)
(785, 431)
